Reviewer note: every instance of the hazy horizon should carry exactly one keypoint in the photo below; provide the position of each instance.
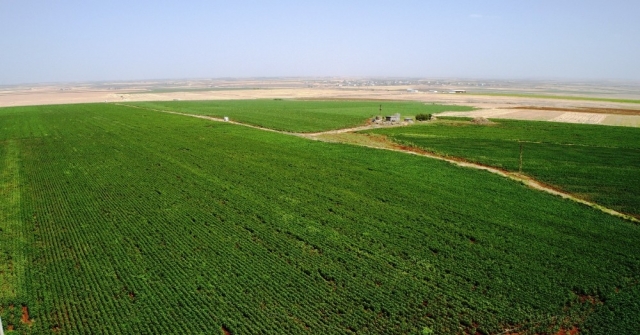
(494, 40)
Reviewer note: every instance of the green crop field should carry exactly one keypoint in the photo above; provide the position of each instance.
(299, 116)
(597, 163)
(122, 220)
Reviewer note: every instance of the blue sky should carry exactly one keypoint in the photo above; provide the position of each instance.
(63, 41)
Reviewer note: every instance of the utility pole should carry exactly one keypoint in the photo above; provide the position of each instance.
(520, 169)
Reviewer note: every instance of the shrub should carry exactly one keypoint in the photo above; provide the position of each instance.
(423, 117)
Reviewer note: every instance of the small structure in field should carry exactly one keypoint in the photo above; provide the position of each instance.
(459, 91)
(393, 118)
(408, 120)
(226, 119)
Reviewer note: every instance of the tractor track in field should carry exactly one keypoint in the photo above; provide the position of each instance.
(383, 143)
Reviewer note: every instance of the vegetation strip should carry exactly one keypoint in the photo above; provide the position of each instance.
(12, 239)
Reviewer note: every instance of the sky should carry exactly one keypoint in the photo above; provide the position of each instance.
(92, 40)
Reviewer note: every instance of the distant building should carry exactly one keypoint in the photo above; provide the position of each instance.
(394, 118)
(459, 91)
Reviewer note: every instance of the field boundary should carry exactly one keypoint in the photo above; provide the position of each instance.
(528, 181)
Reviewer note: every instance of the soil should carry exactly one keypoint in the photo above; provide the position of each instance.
(572, 331)
(481, 120)
(25, 316)
(595, 110)
(591, 299)
(515, 107)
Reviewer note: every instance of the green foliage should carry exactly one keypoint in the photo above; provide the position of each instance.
(618, 315)
(599, 163)
(423, 117)
(145, 222)
(299, 116)
(427, 331)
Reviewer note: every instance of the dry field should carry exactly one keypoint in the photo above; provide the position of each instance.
(489, 106)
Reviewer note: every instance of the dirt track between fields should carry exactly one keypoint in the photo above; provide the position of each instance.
(377, 143)
(381, 142)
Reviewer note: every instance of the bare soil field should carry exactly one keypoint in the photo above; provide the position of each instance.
(619, 111)
(489, 106)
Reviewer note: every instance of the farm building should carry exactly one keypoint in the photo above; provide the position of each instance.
(393, 118)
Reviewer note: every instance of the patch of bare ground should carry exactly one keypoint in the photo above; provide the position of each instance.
(25, 316)
(481, 121)
(597, 110)
(563, 331)
(346, 99)
(371, 140)
(571, 331)
(225, 331)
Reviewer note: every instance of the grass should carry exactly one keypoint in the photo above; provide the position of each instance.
(594, 162)
(147, 222)
(299, 116)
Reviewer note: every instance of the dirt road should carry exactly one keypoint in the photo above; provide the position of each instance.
(379, 142)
